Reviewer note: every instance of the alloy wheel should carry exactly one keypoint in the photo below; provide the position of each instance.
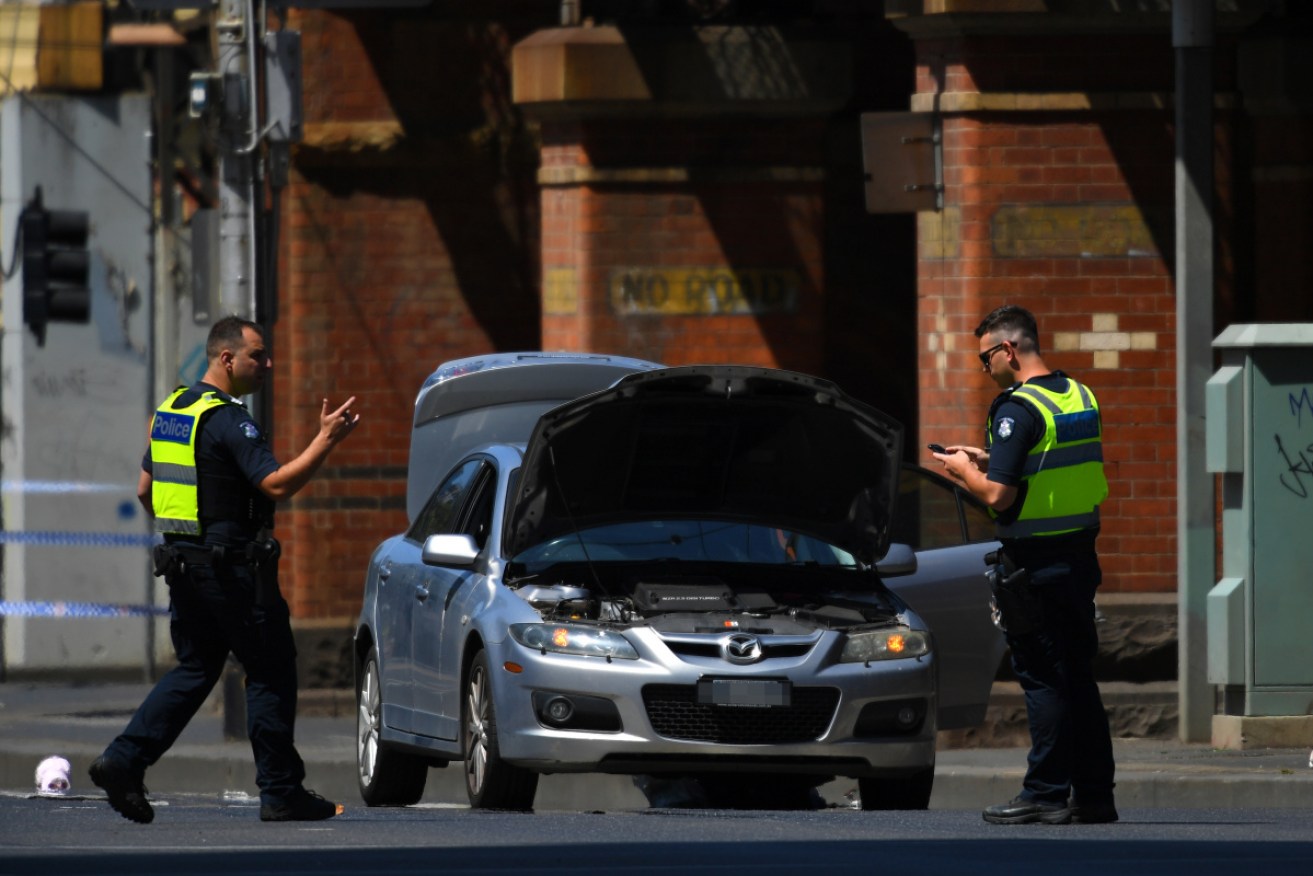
(476, 738)
(368, 719)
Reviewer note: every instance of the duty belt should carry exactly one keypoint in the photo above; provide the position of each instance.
(216, 555)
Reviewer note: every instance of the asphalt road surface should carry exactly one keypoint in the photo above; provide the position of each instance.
(207, 834)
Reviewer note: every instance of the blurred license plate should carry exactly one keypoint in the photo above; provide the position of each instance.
(745, 692)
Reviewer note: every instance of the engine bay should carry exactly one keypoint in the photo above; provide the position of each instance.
(763, 600)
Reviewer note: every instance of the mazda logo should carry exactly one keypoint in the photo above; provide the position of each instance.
(742, 648)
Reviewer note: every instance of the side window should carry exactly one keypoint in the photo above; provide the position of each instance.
(932, 512)
(441, 514)
(478, 522)
(980, 526)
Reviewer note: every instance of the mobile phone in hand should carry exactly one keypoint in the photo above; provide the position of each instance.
(936, 448)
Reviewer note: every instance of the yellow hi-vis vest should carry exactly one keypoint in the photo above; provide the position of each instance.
(174, 486)
(1064, 476)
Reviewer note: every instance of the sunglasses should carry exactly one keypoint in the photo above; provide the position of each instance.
(989, 354)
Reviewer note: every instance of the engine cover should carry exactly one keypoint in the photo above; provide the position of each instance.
(663, 597)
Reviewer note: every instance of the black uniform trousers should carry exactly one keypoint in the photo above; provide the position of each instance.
(214, 611)
(1071, 746)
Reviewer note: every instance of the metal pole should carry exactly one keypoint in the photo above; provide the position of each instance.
(236, 29)
(163, 302)
(236, 265)
(1192, 39)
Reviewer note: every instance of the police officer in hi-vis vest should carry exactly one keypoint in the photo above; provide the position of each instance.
(210, 480)
(1042, 477)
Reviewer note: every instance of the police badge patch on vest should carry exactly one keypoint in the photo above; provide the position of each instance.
(250, 430)
(1004, 428)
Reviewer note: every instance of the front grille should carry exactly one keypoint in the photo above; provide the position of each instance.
(675, 713)
(712, 649)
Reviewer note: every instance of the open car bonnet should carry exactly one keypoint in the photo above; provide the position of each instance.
(716, 442)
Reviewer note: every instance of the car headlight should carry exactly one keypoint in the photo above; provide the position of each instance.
(884, 645)
(574, 639)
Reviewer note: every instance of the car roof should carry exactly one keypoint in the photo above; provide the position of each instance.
(495, 399)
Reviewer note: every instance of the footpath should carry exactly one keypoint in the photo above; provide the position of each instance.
(77, 721)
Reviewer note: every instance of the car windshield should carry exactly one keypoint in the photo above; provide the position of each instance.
(693, 540)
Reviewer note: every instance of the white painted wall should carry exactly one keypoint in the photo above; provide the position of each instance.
(75, 411)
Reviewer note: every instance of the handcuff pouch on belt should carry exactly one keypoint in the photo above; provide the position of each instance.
(168, 563)
(1013, 603)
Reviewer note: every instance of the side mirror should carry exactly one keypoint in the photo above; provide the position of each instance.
(449, 550)
(900, 559)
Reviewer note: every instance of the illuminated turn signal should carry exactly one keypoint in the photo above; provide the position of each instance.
(888, 644)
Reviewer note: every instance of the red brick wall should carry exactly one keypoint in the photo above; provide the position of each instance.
(411, 234)
(409, 237)
(1067, 214)
(740, 219)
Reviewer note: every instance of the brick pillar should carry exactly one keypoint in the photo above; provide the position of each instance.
(682, 192)
(1058, 168)
(408, 238)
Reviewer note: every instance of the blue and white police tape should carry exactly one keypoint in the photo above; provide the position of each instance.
(64, 487)
(80, 539)
(77, 609)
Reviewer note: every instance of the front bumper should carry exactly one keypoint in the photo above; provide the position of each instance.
(837, 722)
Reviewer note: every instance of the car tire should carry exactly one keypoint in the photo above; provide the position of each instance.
(490, 782)
(387, 777)
(904, 792)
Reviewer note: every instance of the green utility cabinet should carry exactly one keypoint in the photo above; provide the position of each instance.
(1259, 408)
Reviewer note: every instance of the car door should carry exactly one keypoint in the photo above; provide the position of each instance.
(403, 593)
(392, 633)
(455, 508)
(951, 532)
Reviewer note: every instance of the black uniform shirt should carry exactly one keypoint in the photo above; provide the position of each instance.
(230, 444)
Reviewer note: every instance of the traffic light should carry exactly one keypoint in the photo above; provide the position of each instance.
(56, 266)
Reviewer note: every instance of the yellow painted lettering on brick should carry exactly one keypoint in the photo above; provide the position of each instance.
(704, 291)
(560, 292)
(1071, 231)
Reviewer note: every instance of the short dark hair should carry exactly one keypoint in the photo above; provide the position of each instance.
(1011, 323)
(228, 333)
